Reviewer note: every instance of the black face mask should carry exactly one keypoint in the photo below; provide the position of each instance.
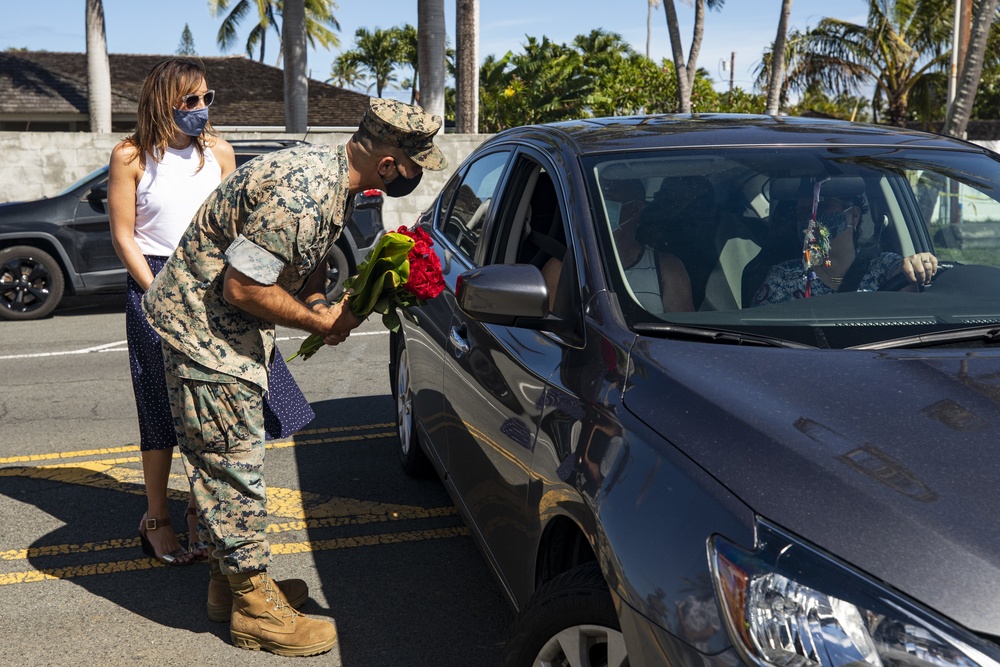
(401, 186)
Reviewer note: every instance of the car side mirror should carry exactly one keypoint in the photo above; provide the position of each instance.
(98, 194)
(513, 295)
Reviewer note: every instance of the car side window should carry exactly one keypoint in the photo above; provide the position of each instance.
(533, 230)
(463, 221)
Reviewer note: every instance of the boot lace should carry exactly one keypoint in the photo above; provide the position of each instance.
(280, 604)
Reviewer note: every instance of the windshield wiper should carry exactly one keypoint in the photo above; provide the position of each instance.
(990, 334)
(717, 335)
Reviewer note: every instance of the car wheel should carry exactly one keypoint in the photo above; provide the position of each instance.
(411, 456)
(337, 271)
(569, 621)
(31, 283)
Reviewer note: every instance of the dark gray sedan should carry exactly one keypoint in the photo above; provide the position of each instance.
(715, 390)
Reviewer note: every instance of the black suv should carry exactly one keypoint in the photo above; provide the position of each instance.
(62, 244)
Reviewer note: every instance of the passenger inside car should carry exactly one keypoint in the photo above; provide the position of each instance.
(838, 264)
(656, 278)
(682, 220)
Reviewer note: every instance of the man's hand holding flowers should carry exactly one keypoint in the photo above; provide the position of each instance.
(343, 322)
(401, 270)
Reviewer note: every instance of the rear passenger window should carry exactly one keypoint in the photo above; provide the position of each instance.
(463, 223)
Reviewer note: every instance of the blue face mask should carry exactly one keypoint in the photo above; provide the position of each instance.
(193, 122)
(835, 223)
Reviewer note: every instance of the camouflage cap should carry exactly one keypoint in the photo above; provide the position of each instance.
(408, 127)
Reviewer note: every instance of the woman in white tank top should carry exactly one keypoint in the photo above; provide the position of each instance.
(159, 176)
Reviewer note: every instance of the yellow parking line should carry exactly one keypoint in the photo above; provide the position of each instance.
(299, 439)
(115, 567)
(68, 455)
(272, 529)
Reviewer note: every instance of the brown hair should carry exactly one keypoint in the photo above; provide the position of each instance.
(165, 84)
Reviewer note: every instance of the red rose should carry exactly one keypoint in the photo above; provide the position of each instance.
(426, 280)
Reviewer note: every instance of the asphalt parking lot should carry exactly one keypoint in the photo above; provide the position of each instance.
(386, 557)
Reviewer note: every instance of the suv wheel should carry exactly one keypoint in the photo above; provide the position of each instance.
(338, 269)
(31, 283)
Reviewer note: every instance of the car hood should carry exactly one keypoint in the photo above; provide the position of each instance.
(42, 210)
(887, 460)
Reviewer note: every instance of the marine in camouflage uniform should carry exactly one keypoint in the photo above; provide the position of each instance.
(274, 221)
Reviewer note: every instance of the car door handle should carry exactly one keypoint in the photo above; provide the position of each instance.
(457, 338)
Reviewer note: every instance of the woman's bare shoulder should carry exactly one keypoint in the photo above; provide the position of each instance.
(124, 154)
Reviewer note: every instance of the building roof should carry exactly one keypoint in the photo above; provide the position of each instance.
(248, 93)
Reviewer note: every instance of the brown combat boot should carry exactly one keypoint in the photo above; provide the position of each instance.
(263, 619)
(220, 595)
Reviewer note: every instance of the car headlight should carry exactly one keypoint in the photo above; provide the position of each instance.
(788, 605)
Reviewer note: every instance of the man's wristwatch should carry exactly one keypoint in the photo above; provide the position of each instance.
(324, 302)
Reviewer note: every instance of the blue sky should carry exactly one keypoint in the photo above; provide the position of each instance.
(745, 27)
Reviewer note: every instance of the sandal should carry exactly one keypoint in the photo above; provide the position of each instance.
(196, 547)
(175, 557)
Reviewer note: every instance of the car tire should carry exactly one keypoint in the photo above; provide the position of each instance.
(31, 283)
(337, 271)
(574, 609)
(411, 455)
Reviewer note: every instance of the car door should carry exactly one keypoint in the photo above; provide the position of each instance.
(494, 382)
(96, 259)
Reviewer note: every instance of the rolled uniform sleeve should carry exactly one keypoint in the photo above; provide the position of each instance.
(253, 261)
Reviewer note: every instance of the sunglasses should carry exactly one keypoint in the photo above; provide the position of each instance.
(191, 101)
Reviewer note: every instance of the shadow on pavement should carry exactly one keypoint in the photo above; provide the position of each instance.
(94, 304)
(397, 569)
(424, 596)
(94, 508)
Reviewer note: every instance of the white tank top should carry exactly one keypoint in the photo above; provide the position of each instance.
(169, 193)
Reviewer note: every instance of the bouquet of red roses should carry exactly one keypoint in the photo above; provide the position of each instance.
(400, 271)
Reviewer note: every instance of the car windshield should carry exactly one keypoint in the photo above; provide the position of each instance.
(802, 244)
(92, 175)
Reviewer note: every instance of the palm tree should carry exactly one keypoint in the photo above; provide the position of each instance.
(377, 53)
(296, 80)
(319, 19)
(965, 96)
(345, 72)
(409, 54)
(778, 64)
(792, 68)
(600, 49)
(903, 42)
(227, 35)
(651, 5)
(467, 66)
(686, 71)
(98, 69)
(431, 47)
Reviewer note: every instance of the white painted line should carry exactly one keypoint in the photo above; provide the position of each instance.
(98, 348)
(121, 346)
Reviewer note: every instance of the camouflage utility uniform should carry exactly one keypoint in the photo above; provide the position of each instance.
(273, 220)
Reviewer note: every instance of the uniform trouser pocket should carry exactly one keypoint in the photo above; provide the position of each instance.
(220, 430)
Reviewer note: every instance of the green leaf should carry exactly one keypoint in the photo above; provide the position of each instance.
(309, 347)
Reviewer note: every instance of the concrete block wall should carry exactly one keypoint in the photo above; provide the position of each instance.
(42, 164)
